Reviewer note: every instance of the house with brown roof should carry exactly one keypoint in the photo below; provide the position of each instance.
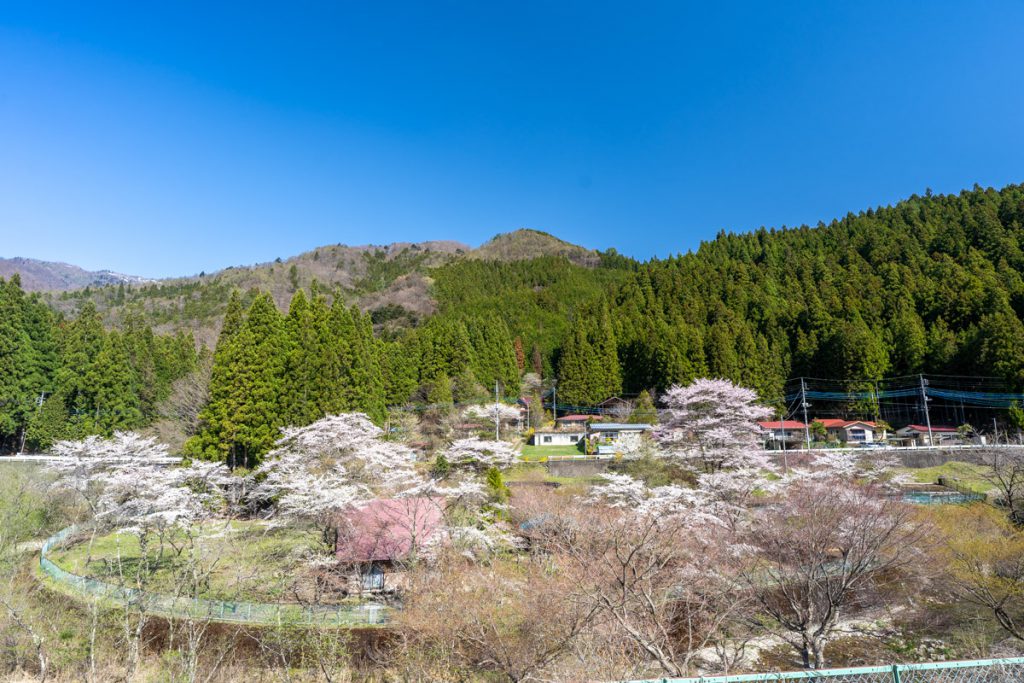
(917, 435)
(783, 433)
(852, 432)
(576, 420)
(379, 539)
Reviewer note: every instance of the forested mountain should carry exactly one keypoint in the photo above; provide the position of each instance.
(932, 284)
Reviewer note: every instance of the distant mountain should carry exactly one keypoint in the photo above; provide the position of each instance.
(392, 279)
(39, 276)
(524, 244)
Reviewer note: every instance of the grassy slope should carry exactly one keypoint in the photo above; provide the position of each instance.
(250, 561)
(969, 475)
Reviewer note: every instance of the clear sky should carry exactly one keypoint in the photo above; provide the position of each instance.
(168, 141)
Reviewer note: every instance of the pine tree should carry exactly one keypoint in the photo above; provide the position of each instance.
(244, 414)
(439, 392)
(260, 414)
(579, 369)
(16, 353)
(304, 364)
(609, 377)
(113, 389)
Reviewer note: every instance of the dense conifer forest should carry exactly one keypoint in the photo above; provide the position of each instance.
(65, 378)
(933, 284)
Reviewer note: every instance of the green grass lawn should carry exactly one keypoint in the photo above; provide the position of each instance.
(968, 475)
(541, 453)
(239, 561)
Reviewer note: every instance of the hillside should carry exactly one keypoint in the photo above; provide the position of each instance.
(934, 285)
(37, 276)
(390, 281)
(370, 276)
(522, 245)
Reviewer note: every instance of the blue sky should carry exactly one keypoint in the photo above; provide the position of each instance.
(196, 136)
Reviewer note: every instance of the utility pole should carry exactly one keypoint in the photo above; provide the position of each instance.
(995, 432)
(497, 421)
(924, 401)
(24, 430)
(554, 400)
(805, 405)
(878, 408)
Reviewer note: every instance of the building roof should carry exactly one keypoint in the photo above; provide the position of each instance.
(388, 529)
(578, 418)
(832, 423)
(619, 427)
(935, 428)
(781, 424)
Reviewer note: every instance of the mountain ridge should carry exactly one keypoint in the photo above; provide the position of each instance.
(393, 278)
(39, 275)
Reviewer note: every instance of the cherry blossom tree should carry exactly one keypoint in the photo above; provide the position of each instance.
(482, 454)
(130, 483)
(488, 411)
(328, 466)
(122, 445)
(712, 425)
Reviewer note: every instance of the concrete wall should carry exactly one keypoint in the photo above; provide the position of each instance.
(932, 457)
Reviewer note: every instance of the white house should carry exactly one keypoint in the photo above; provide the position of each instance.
(853, 432)
(917, 435)
(558, 437)
(783, 433)
(617, 437)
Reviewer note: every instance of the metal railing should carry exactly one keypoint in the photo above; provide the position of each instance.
(1010, 670)
(179, 607)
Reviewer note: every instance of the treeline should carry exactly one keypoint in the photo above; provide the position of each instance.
(931, 284)
(272, 370)
(65, 379)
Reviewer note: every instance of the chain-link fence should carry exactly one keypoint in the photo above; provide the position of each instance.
(177, 607)
(976, 671)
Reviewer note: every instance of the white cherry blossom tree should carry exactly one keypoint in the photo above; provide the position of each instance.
(482, 454)
(711, 425)
(488, 411)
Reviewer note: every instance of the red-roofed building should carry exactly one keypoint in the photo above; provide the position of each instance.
(576, 420)
(852, 432)
(378, 537)
(917, 435)
(783, 433)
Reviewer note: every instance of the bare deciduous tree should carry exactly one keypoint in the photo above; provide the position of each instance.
(656, 581)
(516, 619)
(826, 548)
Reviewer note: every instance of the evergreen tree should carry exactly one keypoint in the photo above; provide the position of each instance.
(114, 395)
(644, 411)
(579, 369)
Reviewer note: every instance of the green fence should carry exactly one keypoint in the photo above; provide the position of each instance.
(175, 607)
(975, 671)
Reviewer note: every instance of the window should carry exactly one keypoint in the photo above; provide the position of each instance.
(858, 435)
(373, 579)
(547, 439)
